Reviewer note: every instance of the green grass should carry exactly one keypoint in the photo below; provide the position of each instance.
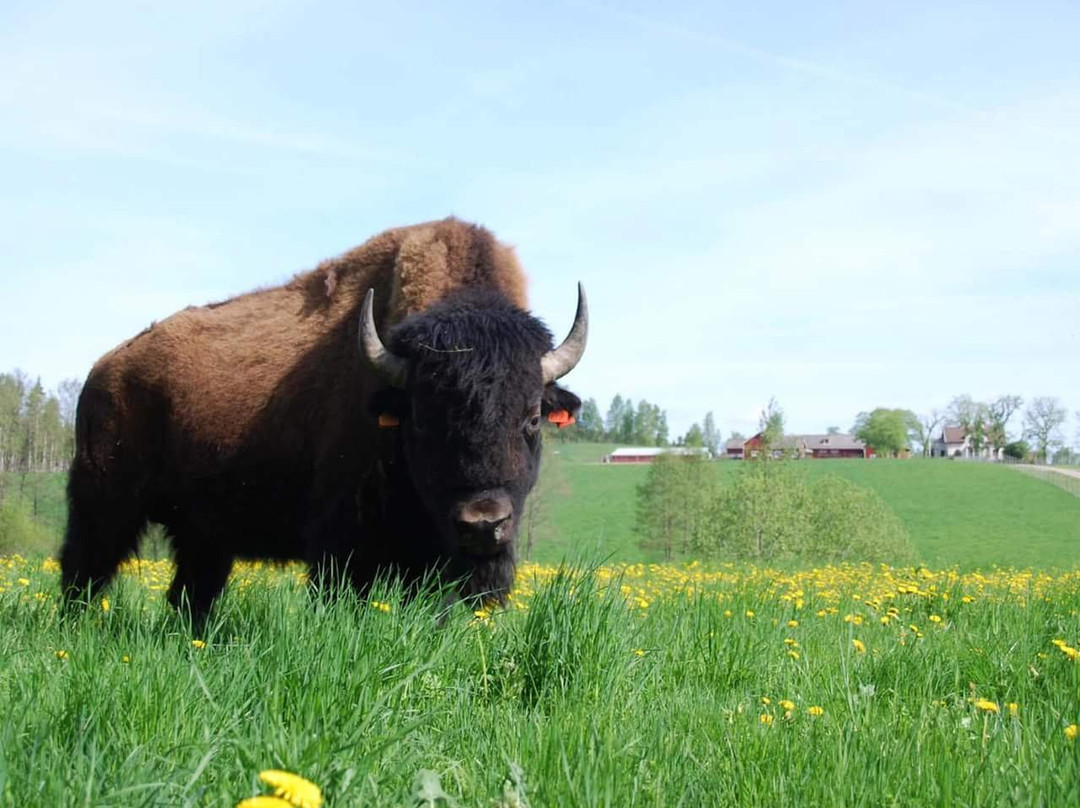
(970, 514)
(973, 514)
(597, 703)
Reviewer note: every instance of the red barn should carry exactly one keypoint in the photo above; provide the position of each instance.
(815, 446)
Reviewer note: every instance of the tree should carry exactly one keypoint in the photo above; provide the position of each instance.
(1042, 424)
(613, 422)
(1066, 456)
(973, 416)
(663, 432)
(924, 429)
(590, 423)
(888, 431)
(998, 413)
(771, 426)
(673, 503)
(710, 438)
(67, 392)
(694, 436)
(12, 390)
(33, 409)
(646, 423)
(1018, 449)
(832, 430)
(627, 428)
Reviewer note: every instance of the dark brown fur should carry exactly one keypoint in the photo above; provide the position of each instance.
(244, 427)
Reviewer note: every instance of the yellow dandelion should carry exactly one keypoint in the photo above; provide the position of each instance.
(125, 659)
(816, 711)
(1072, 731)
(300, 792)
(104, 604)
(885, 620)
(61, 654)
(24, 582)
(793, 654)
(750, 613)
(858, 646)
(821, 612)
(766, 700)
(787, 705)
(639, 651)
(986, 705)
(264, 802)
(935, 618)
(727, 612)
(198, 644)
(792, 623)
(767, 719)
(1014, 709)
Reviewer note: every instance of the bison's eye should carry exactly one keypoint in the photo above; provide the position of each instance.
(532, 422)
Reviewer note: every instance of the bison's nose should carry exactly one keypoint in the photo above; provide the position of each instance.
(485, 523)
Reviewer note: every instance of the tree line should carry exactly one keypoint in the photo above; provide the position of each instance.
(987, 424)
(37, 426)
(640, 424)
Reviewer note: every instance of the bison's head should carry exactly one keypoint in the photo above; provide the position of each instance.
(471, 379)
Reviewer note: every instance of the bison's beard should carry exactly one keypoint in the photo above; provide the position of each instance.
(489, 579)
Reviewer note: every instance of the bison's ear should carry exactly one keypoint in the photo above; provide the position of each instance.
(557, 399)
(388, 401)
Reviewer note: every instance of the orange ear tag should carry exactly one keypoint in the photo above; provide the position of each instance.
(561, 418)
(388, 421)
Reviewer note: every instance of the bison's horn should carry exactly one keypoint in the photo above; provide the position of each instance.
(556, 364)
(390, 366)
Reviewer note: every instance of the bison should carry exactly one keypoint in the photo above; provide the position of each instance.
(278, 424)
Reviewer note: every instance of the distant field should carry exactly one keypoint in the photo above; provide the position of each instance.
(957, 513)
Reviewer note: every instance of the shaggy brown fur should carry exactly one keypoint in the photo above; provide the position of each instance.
(242, 426)
(219, 365)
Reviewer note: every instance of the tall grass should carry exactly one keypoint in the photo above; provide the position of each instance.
(631, 687)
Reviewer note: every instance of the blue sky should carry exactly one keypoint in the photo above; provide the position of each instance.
(840, 205)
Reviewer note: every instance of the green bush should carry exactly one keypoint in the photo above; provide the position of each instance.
(849, 522)
(673, 502)
(20, 532)
(770, 512)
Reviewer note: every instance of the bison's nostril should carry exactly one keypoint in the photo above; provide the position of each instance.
(487, 509)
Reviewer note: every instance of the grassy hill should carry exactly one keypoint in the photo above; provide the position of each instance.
(957, 513)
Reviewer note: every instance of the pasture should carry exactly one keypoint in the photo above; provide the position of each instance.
(969, 514)
(636, 685)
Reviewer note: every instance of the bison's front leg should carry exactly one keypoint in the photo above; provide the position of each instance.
(200, 577)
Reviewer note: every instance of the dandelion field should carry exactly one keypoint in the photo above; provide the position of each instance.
(633, 686)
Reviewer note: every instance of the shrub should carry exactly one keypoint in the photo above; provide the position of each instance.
(19, 532)
(771, 512)
(673, 502)
(849, 522)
